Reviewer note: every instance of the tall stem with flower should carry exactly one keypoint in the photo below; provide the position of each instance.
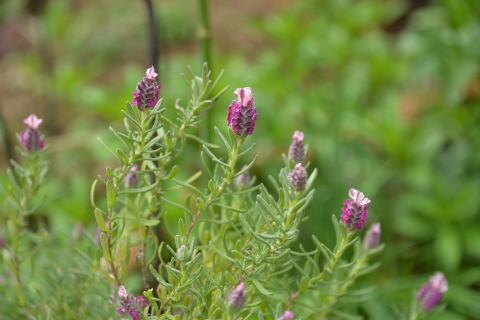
(25, 181)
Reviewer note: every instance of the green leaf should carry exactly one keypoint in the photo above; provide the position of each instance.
(101, 221)
(247, 150)
(224, 141)
(260, 287)
(104, 244)
(304, 284)
(138, 190)
(172, 173)
(13, 232)
(92, 194)
(229, 277)
(181, 226)
(132, 119)
(110, 194)
(245, 169)
(186, 185)
(144, 222)
(159, 277)
(123, 156)
(104, 269)
(193, 137)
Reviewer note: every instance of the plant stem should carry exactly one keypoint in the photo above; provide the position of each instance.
(204, 32)
(226, 182)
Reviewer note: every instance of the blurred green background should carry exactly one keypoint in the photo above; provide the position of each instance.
(386, 92)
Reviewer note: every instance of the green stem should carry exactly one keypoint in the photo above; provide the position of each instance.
(204, 31)
(338, 253)
(205, 44)
(226, 182)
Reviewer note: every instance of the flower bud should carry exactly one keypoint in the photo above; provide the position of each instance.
(130, 304)
(237, 296)
(372, 238)
(122, 293)
(182, 253)
(242, 115)
(146, 95)
(132, 179)
(32, 138)
(431, 292)
(297, 150)
(298, 177)
(287, 315)
(355, 210)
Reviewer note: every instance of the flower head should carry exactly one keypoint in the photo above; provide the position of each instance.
(242, 115)
(146, 95)
(131, 178)
(237, 296)
(355, 210)
(297, 150)
(32, 138)
(122, 293)
(130, 304)
(298, 177)
(372, 238)
(287, 315)
(431, 293)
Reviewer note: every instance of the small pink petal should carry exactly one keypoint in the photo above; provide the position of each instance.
(244, 96)
(151, 74)
(298, 136)
(32, 121)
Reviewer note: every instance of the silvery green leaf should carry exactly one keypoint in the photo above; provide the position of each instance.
(260, 287)
(104, 244)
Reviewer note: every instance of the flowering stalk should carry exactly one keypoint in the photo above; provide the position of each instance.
(25, 180)
(429, 296)
(134, 198)
(241, 120)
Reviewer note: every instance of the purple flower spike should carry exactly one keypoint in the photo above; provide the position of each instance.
(237, 296)
(287, 315)
(132, 179)
(372, 239)
(355, 210)
(132, 305)
(431, 292)
(146, 95)
(242, 115)
(297, 150)
(298, 177)
(32, 138)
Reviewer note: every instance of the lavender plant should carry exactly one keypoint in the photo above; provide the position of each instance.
(232, 257)
(26, 178)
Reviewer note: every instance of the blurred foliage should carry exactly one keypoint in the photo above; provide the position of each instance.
(388, 99)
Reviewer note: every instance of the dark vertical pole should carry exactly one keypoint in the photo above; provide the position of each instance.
(153, 51)
(6, 139)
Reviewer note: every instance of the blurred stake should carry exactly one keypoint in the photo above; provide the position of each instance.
(6, 139)
(152, 38)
